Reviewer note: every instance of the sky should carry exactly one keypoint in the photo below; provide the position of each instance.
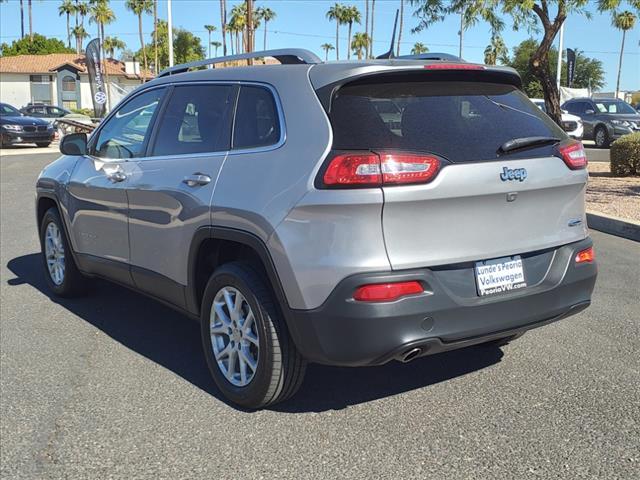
(302, 24)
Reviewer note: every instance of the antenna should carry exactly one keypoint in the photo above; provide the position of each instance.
(390, 54)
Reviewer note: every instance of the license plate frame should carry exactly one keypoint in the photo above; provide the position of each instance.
(499, 275)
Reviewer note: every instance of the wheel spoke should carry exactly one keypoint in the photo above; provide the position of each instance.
(229, 302)
(219, 329)
(248, 322)
(249, 336)
(246, 359)
(224, 352)
(231, 365)
(226, 321)
(243, 367)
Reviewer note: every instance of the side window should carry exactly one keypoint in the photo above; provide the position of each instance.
(55, 111)
(257, 123)
(124, 135)
(574, 108)
(197, 120)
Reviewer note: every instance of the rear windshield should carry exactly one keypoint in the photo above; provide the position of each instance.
(460, 121)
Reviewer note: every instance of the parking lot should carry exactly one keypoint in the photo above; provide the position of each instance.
(114, 385)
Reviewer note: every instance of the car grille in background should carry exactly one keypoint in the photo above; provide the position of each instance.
(39, 128)
(569, 126)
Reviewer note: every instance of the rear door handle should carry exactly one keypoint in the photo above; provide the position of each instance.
(196, 180)
(117, 176)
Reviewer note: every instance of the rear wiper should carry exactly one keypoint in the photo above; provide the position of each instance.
(524, 142)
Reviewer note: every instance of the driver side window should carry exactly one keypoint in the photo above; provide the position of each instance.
(126, 133)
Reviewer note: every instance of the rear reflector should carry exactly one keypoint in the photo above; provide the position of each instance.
(453, 66)
(574, 155)
(387, 292)
(587, 255)
(371, 169)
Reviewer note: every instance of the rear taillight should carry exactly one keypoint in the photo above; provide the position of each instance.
(574, 155)
(372, 170)
(387, 292)
(588, 255)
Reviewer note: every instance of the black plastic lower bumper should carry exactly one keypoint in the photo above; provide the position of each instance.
(447, 316)
(17, 138)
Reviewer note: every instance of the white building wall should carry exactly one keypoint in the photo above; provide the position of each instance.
(15, 89)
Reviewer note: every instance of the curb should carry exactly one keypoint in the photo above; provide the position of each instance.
(614, 226)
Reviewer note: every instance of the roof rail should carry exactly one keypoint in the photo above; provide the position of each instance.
(285, 56)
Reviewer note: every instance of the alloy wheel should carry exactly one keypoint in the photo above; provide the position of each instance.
(234, 336)
(54, 253)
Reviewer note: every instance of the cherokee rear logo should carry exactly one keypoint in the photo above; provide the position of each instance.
(513, 174)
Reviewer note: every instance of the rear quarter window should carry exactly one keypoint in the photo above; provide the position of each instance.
(460, 121)
(257, 123)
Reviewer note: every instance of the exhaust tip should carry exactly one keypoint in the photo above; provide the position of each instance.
(410, 355)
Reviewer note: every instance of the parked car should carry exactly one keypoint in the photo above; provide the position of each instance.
(44, 111)
(572, 124)
(15, 128)
(278, 207)
(604, 119)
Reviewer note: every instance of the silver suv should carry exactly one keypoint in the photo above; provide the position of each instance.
(278, 206)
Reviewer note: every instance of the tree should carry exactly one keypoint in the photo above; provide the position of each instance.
(623, 21)
(40, 45)
(351, 15)
(102, 15)
(336, 14)
(67, 8)
(360, 44)
(30, 21)
(139, 8)
(238, 24)
(216, 45)
(587, 71)
(326, 47)
(21, 18)
(529, 14)
(210, 29)
(187, 47)
(400, 27)
(223, 25)
(495, 51)
(419, 48)
(110, 45)
(80, 34)
(266, 14)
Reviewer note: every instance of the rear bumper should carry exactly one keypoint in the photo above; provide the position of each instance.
(349, 333)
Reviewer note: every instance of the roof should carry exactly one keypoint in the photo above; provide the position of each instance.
(34, 64)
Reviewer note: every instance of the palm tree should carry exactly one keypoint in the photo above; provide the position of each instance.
(210, 29)
(30, 21)
(495, 50)
(336, 13)
(140, 7)
(419, 48)
(21, 18)
(238, 23)
(366, 18)
(326, 47)
(102, 15)
(266, 14)
(81, 9)
(351, 15)
(67, 8)
(223, 25)
(373, 12)
(623, 21)
(216, 45)
(80, 34)
(360, 44)
(400, 27)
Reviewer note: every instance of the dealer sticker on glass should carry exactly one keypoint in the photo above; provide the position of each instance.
(500, 275)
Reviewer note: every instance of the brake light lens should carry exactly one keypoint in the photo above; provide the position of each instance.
(371, 169)
(453, 66)
(574, 155)
(387, 292)
(587, 255)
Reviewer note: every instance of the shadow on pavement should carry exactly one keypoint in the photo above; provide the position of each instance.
(173, 341)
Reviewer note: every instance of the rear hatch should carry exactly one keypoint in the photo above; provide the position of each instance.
(483, 201)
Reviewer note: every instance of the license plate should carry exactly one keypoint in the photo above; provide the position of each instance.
(500, 275)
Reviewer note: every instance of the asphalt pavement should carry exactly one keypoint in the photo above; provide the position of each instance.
(114, 385)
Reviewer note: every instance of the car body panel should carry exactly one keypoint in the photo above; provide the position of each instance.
(591, 121)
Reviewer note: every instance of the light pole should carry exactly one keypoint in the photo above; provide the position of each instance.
(170, 28)
(559, 72)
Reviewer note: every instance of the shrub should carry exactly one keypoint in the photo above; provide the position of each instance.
(83, 111)
(625, 155)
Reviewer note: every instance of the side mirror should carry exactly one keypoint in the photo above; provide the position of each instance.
(589, 112)
(74, 144)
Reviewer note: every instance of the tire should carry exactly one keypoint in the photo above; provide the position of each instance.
(601, 137)
(501, 342)
(68, 282)
(43, 144)
(279, 367)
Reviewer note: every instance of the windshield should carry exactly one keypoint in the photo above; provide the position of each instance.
(8, 110)
(614, 106)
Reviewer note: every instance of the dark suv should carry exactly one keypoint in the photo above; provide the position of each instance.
(604, 119)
